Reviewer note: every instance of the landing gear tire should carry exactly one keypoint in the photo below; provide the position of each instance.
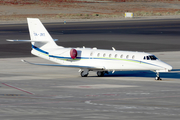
(83, 75)
(158, 78)
(100, 73)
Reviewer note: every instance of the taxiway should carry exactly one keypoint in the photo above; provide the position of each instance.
(51, 93)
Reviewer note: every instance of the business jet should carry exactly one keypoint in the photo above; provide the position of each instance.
(89, 59)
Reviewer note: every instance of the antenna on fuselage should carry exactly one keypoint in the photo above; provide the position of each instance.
(113, 49)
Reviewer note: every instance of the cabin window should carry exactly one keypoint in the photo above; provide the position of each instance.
(104, 55)
(127, 56)
(133, 57)
(98, 54)
(115, 56)
(121, 56)
(109, 55)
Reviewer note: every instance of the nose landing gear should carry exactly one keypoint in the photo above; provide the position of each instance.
(157, 76)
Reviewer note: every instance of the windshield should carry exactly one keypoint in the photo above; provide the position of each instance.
(150, 57)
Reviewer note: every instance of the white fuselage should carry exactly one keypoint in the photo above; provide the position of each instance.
(88, 59)
(109, 60)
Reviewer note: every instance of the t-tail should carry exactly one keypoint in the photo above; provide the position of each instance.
(41, 40)
(39, 35)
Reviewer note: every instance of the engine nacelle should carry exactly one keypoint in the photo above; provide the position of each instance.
(73, 53)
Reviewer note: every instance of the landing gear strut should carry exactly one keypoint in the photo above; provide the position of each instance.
(157, 76)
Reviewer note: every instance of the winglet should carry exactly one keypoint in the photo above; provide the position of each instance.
(28, 62)
(23, 60)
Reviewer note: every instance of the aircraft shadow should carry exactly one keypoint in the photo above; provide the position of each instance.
(174, 74)
(175, 70)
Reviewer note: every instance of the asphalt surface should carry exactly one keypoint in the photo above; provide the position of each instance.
(29, 92)
(134, 35)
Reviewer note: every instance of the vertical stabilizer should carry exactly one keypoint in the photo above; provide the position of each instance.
(39, 33)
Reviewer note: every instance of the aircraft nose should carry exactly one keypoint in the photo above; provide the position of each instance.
(168, 67)
(165, 67)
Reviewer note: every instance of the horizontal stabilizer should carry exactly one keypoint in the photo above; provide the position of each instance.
(72, 66)
(28, 40)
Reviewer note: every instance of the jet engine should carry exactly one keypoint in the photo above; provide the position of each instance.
(73, 53)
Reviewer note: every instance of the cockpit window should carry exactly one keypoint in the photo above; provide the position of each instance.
(150, 57)
(147, 57)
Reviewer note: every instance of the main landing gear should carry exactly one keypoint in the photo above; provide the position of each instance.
(157, 76)
(85, 73)
(100, 73)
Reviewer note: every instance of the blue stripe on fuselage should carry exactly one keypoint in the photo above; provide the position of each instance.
(38, 49)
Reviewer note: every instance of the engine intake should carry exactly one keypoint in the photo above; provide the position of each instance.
(73, 53)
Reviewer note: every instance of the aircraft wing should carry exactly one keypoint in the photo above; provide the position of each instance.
(72, 66)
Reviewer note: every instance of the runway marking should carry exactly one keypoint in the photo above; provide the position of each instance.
(85, 86)
(18, 88)
(19, 108)
(84, 109)
(96, 86)
(127, 107)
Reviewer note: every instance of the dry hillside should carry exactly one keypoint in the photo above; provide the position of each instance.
(85, 9)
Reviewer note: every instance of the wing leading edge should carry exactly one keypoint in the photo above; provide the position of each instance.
(71, 66)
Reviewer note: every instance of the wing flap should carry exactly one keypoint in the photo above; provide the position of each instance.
(71, 66)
